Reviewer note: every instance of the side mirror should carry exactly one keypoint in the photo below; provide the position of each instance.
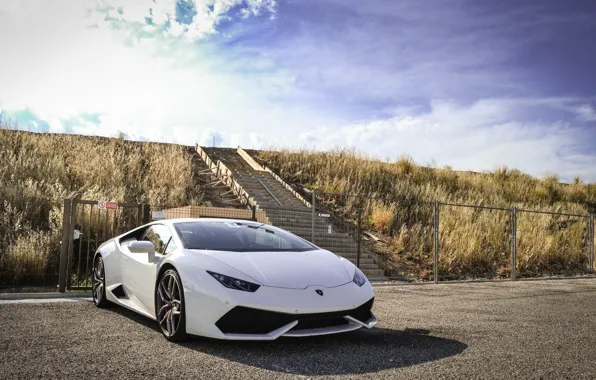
(143, 246)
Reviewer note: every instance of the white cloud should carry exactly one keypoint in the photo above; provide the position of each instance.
(586, 112)
(475, 137)
(132, 14)
(173, 84)
(59, 67)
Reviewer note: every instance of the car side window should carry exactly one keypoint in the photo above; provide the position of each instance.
(171, 246)
(160, 236)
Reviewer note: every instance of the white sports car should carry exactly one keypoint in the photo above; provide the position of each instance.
(231, 279)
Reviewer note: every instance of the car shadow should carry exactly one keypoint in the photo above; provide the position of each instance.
(134, 316)
(357, 352)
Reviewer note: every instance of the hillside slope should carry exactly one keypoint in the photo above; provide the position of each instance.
(471, 241)
(37, 171)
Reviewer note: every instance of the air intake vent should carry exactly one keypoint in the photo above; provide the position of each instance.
(246, 320)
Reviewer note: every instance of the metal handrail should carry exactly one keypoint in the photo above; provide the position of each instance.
(251, 161)
(284, 184)
(269, 191)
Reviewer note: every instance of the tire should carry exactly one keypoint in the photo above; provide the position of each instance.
(99, 283)
(170, 310)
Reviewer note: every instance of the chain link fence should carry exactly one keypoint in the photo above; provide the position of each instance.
(389, 239)
(474, 242)
(410, 240)
(553, 243)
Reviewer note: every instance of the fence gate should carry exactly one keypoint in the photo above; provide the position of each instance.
(86, 225)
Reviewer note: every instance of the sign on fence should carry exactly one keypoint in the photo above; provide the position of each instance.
(158, 215)
(325, 215)
(107, 205)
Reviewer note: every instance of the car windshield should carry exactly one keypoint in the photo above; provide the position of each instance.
(238, 236)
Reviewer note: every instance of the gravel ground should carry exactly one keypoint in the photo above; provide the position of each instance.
(531, 329)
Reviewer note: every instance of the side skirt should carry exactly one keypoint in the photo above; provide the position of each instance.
(117, 295)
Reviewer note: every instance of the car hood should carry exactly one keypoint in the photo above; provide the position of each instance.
(295, 270)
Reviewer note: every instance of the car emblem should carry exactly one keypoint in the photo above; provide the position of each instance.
(319, 292)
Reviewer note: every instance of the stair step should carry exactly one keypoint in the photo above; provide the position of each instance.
(306, 233)
(377, 274)
(297, 216)
(331, 239)
(320, 227)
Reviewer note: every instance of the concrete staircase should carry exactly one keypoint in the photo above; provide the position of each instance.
(287, 210)
(216, 193)
(338, 242)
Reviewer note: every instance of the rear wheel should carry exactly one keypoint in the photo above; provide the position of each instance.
(169, 306)
(99, 283)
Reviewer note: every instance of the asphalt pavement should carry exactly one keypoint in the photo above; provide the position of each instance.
(528, 329)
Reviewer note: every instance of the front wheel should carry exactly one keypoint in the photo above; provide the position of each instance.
(99, 283)
(169, 306)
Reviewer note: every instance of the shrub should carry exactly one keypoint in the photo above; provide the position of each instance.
(38, 171)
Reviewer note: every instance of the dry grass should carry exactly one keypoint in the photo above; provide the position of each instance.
(27, 257)
(472, 242)
(37, 171)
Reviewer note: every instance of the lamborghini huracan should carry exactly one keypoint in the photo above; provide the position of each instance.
(231, 279)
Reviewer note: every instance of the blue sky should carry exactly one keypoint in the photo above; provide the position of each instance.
(470, 84)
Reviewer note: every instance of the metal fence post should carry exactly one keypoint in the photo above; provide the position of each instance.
(70, 239)
(359, 229)
(146, 213)
(312, 239)
(591, 245)
(436, 242)
(254, 211)
(66, 227)
(513, 244)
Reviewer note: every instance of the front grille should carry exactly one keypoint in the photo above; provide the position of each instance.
(246, 320)
(317, 323)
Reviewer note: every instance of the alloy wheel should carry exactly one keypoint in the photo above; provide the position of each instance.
(98, 281)
(169, 303)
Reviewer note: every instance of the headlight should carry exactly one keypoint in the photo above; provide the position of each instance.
(359, 277)
(234, 283)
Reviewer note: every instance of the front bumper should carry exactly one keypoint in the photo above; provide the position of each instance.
(249, 323)
(287, 331)
(269, 313)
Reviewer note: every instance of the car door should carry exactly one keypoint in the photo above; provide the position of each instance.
(139, 274)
